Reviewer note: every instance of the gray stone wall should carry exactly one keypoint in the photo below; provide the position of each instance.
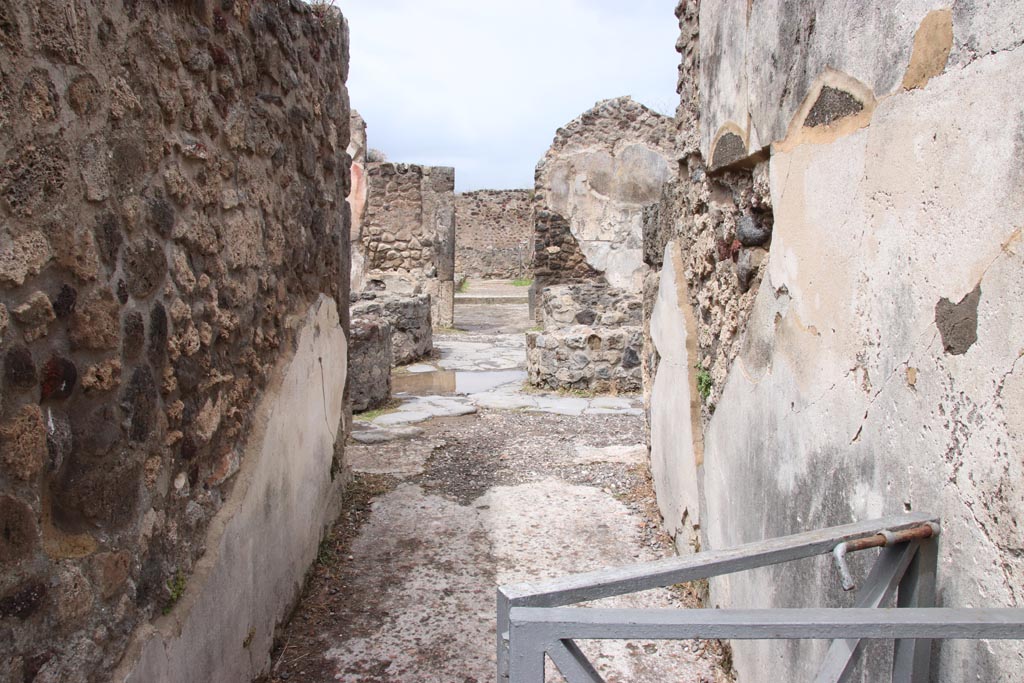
(408, 232)
(172, 183)
(369, 363)
(494, 234)
(409, 318)
(557, 257)
(591, 340)
(841, 388)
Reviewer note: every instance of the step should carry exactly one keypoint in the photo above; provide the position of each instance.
(490, 300)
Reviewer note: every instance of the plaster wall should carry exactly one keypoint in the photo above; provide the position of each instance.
(600, 172)
(357, 197)
(882, 367)
(261, 543)
(674, 405)
(760, 60)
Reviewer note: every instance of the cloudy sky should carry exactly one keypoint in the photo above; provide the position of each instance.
(482, 85)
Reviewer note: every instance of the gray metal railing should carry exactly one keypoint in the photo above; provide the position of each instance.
(535, 622)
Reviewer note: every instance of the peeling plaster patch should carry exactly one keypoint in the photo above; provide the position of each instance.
(729, 147)
(836, 106)
(958, 323)
(932, 43)
(832, 104)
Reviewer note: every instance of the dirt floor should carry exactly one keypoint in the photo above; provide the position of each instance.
(404, 586)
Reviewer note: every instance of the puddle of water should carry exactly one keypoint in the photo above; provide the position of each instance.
(450, 382)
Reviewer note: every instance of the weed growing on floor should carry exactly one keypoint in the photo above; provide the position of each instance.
(522, 282)
(369, 415)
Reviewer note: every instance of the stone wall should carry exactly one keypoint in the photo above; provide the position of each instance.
(408, 315)
(494, 234)
(871, 362)
(408, 234)
(591, 340)
(557, 257)
(369, 363)
(600, 172)
(172, 242)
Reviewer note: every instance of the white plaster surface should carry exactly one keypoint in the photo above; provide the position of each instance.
(263, 540)
(602, 194)
(843, 404)
(601, 171)
(673, 458)
(723, 75)
(445, 559)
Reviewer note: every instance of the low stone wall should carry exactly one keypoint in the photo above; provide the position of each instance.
(592, 340)
(412, 336)
(494, 233)
(589, 304)
(370, 359)
(605, 360)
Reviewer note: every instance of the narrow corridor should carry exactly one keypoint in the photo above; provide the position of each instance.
(499, 486)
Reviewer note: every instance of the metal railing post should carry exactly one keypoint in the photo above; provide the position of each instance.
(504, 627)
(911, 660)
(527, 654)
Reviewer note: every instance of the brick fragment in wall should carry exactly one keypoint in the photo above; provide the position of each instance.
(35, 316)
(94, 324)
(19, 368)
(18, 532)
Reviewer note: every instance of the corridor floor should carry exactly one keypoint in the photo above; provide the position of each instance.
(522, 488)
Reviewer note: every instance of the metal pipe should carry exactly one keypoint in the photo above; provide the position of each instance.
(882, 539)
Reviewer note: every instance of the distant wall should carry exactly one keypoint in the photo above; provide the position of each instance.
(872, 362)
(494, 233)
(173, 239)
(408, 236)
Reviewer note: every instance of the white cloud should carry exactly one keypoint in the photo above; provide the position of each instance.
(483, 85)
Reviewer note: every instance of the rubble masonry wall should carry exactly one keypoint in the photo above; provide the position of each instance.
(173, 245)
